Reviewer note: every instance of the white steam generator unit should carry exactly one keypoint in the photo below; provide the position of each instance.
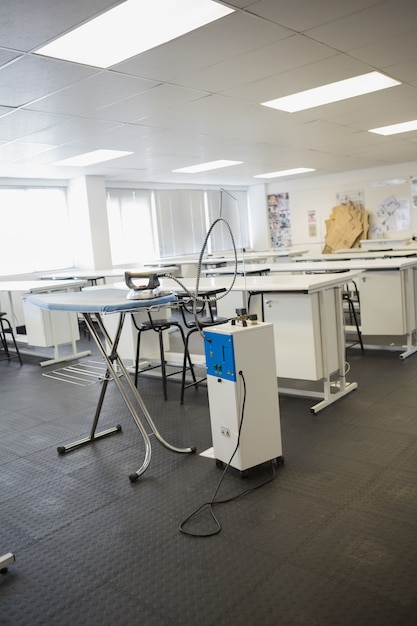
(243, 393)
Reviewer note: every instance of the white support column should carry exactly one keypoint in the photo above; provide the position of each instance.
(88, 211)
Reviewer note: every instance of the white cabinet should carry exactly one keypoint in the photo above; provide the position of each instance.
(49, 328)
(306, 333)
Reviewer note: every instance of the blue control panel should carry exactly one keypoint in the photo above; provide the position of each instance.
(220, 357)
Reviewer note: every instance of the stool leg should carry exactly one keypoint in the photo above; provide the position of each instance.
(4, 340)
(187, 353)
(163, 364)
(355, 318)
(184, 365)
(137, 358)
(10, 331)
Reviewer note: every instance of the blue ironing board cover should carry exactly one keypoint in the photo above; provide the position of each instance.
(104, 300)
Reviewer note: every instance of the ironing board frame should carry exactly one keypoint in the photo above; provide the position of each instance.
(116, 369)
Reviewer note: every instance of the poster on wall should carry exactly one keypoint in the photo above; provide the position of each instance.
(312, 223)
(389, 209)
(279, 220)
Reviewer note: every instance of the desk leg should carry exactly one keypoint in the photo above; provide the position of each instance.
(336, 390)
(410, 313)
(112, 357)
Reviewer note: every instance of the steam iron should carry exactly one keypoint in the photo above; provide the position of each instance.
(143, 291)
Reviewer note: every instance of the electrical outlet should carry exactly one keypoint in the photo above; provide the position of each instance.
(225, 432)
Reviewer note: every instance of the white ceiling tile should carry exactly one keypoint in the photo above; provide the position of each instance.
(264, 62)
(18, 150)
(224, 39)
(390, 51)
(25, 24)
(92, 93)
(301, 15)
(29, 78)
(150, 102)
(376, 23)
(69, 131)
(19, 123)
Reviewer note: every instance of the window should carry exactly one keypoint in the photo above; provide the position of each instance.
(35, 226)
(181, 221)
(233, 208)
(148, 224)
(131, 230)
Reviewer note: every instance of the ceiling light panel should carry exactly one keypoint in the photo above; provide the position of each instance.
(131, 28)
(206, 167)
(291, 172)
(333, 92)
(394, 129)
(90, 158)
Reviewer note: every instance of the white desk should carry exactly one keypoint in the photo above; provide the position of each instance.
(92, 276)
(188, 263)
(306, 311)
(357, 253)
(247, 269)
(387, 289)
(43, 328)
(93, 304)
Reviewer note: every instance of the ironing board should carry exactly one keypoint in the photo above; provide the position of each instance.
(92, 304)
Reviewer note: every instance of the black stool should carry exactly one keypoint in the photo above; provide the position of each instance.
(6, 327)
(346, 296)
(159, 326)
(197, 324)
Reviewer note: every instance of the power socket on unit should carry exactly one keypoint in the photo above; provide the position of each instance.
(225, 431)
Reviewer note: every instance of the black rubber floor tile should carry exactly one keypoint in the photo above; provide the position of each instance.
(360, 442)
(107, 605)
(198, 578)
(293, 596)
(367, 551)
(275, 522)
(39, 588)
(325, 476)
(393, 415)
(393, 495)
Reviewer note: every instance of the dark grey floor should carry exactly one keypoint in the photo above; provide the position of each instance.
(331, 540)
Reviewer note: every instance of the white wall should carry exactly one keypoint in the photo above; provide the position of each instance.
(319, 193)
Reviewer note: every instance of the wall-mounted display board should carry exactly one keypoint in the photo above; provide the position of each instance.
(279, 219)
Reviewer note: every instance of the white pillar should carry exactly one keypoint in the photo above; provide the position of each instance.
(258, 215)
(88, 213)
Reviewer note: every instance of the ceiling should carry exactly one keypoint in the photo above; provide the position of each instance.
(197, 98)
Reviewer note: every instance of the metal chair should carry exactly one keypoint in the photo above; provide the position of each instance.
(7, 330)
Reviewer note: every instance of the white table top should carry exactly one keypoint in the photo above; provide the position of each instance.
(247, 268)
(33, 286)
(357, 253)
(377, 264)
(106, 273)
(305, 283)
(228, 257)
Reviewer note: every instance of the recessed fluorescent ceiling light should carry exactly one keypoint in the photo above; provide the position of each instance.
(131, 28)
(296, 170)
(89, 158)
(205, 167)
(341, 90)
(403, 127)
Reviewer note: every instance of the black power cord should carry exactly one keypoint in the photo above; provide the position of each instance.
(210, 505)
